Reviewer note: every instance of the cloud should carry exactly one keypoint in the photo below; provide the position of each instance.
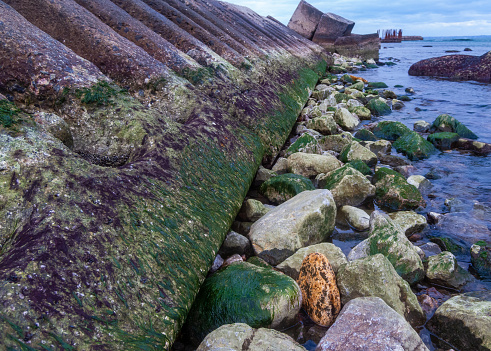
(419, 17)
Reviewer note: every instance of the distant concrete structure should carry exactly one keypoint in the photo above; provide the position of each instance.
(333, 32)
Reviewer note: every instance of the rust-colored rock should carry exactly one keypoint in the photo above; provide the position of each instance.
(460, 67)
(321, 299)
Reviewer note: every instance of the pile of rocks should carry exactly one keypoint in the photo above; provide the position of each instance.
(333, 32)
(324, 176)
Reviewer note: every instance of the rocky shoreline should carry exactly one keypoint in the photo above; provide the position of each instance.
(335, 180)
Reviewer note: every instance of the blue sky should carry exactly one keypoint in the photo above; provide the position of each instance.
(416, 17)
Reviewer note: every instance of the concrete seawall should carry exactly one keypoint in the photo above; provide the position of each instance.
(136, 128)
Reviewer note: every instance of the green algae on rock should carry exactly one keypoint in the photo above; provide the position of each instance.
(243, 293)
(447, 123)
(390, 130)
(305, 141)
(444, 140)
(285, 186)
(443, 269)
(414, 146)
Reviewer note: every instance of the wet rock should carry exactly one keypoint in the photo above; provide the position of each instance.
(428, 304)
(242, 227)
(378, 108)
(355, 217)
(409, 90)
(444, 140)
(348, 186)
(241, 337)
(481, 259)
(377, 85)
(235, 258)
(392, 160)
(324, 124)
(390, 130)
(397, 104)
(273, 300)
(305, 143)
(291, 266)
(414, 146)
(354, 151)
(430, 249)
(443, 269)
(368, 323)
(477, 147)
(361, 167)
(280, 167)
(387, 238)
(262, 175)
(365, 135)
(389, 94)
(235, 243)
(285, 186)
(464, 321)
(410, 222)
(379, 146)
(335, 142)
(254, 210)
(461, 226)
(462, 67)
(306, 219)
(421, 126)
(346, 119)
(420, 182)
(217, 263)
(449, 124)
(310, 165)
(320, 294)
(358, 86)
(375, 276)
(394, 193)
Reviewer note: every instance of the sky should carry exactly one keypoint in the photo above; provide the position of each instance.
(416, 17)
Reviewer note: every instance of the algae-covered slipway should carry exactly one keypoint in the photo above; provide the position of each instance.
(130, 132)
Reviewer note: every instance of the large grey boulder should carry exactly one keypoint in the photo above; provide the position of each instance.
(331, 27)
(355, 217)
(346, 119)
(464, 321)
(443, 269)
(324, 124)
(291, 266)
(243, 292)
(355, 151)
(335, 142)
(241, 337)
(306, 219)
(305, 19)
(310, 165)
(367, 323)
(348, 186)
(409, 221)
(375, 276)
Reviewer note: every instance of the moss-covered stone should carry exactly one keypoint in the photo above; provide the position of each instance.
(354, 151)
(324, 124)
(335, 142)
(443, 269)
(378, 107)
(443, 140)
(365, 135)
(481, 259)
(243, 293)
(303, 142)
(377, 85)
(394, 193)
(361, 167)
(447, 123)
(347, 78)
(362, 112)
(285, 186)
(390, 130)
(358, 86)
(414, 146)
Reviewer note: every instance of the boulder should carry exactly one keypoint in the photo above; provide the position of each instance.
(254, 210)
(348, 186)
(241, 337)
(365, 135)
(310, 165)
(354, 151)
(368, 323)
(477, 147)
(272, 300)
(414, 146)
(346, 119)
(394, 193)
(262, 175)
(361, 166)
(280, 166)
(389, 94)
(377, 85)
(464, 321)
(355, 217)
(461, 226)
(444, 140)
(378, 107)
(305, 19)
(387, 238)
(306, 219)
(358, 86)
(291, 266)
(235, 243)
(390, 130)
(324, 124)
(392, 160)
(374, 276)
(443, 269)
(379, 146)
(420, 182)
(365, 46)
(421, 126)
(461, 67)
(397, 104)
(335, 142)
(481, 259)
(305, 143)
(410, 222)
(330, 28)
(285, 186)
(320, 293)
(449, 124)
